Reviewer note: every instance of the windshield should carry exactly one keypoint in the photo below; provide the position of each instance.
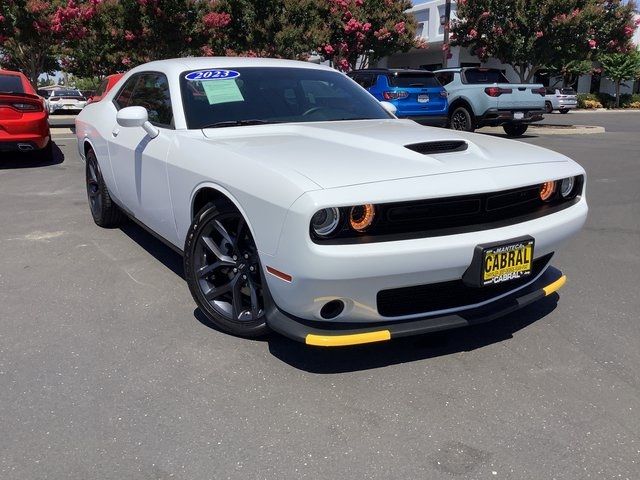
(11, 83)
(274, 95)
(484, 75)
(417, 80)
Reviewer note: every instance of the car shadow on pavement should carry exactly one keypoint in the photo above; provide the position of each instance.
(154, 247)
(13, 160)
(408, 349)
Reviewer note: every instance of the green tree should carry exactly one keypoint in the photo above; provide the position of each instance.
(269, 28)
(620, 67)
(533, 34)
(29, 35)
(110, 36)
(358, 33)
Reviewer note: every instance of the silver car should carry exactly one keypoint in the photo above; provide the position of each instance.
(562, 99)
(65, 101)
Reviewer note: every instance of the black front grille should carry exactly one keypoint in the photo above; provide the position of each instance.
(427, 148)
(454, 215)
(443, 296)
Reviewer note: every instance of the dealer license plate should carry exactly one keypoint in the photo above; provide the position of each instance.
(518, 116)
(423, 98)
(503, 263)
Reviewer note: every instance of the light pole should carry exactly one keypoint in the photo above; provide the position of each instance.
(445, 45)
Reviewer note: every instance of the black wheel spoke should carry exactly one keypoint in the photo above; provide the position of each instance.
(255, 306)
(217, 292)
(209, 269)
(213, 248)
(223, 231)
(236, 302)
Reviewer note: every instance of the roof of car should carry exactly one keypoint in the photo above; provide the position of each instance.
(179, 65)
(391, 70)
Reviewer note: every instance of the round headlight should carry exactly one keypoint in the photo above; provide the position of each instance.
(325, 222)
(361, 217)
(547, 190)
(566, 187)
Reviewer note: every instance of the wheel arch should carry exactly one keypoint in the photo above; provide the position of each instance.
(210, 192)
(461, 102)
(86, 146)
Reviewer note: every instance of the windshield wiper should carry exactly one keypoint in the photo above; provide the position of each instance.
(237, 123)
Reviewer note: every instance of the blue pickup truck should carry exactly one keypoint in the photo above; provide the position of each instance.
(416, 94)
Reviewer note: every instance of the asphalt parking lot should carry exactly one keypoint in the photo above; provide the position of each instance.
(107, 371)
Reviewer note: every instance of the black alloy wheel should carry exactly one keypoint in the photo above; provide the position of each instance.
(105, 213)
(223, 271)
(548, 107)
(461, 120)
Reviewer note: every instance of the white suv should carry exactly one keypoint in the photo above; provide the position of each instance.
(562, 99)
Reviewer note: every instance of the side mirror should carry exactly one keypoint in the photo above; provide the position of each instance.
(389, 107)
(136, 117)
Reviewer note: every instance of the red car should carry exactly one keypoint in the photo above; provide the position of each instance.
(24, 121)
(106, 85)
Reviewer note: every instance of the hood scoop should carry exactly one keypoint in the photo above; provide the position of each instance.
(429, 148)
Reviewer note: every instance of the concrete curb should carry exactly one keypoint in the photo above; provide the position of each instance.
(552, 130)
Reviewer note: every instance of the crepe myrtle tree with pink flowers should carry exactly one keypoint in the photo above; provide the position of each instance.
(531, 35)
(101, 37)
(29, 35)
(360, 32)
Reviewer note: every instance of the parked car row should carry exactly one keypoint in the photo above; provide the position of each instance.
(460, 98)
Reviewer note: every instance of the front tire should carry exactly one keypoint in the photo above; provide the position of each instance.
(548, 107)
(104, 212)
(223, 271)
(461, 119)
(515, 129)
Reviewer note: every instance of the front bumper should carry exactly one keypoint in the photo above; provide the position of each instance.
(323, 334)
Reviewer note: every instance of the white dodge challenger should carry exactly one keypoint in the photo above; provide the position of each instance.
(302, 205)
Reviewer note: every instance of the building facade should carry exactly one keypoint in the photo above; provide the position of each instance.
(430, 17)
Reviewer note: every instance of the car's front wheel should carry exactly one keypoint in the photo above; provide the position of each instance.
(515, 129)
(461, 119)
(548, 107)
(222, 268)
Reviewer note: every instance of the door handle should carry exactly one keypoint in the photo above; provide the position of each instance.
(115, 132)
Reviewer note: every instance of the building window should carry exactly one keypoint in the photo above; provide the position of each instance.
(422, 19)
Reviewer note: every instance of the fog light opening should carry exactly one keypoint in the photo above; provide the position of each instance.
(332, 309)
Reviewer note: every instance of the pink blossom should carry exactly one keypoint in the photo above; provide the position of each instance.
(539, 34)
(593, 44)
(628, 31)
(484, 15)
(399, 27)
(216, 20)
(473, 33)
(344, 65)
(206, 51)
(1, 19)
(328, 49)
(126, 61)
(129, 36)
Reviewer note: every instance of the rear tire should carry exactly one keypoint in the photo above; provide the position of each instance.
(223, 271)
(461, 119)
(45, 154)
(515, 129)
(105, 213)
(564, 111)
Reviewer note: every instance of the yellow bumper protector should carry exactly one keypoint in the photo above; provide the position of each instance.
(344, 340)
(555, 286)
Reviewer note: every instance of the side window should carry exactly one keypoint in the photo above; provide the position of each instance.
(359, 78)
(123, 99)
(445, 78)
(101, 88)
(152, 93)
(369, 80)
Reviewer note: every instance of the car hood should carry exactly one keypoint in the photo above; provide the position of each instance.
(338, 154)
